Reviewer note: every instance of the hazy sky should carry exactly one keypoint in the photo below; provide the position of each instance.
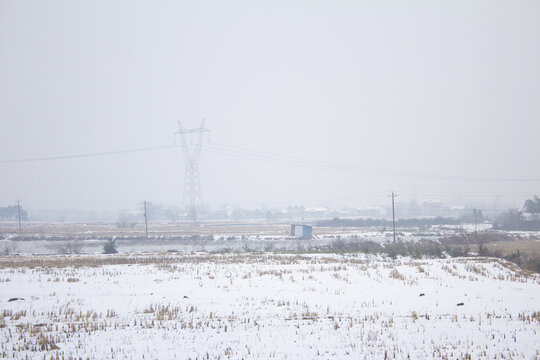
(424, 87)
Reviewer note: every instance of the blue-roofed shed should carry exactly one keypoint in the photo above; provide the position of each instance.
(302, 231)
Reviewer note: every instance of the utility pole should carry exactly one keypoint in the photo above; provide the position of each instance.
(192, 153)
(146, 220)
(475, 220)
(393, 216)
(19, 210)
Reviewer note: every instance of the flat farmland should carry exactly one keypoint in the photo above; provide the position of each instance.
(61, 238)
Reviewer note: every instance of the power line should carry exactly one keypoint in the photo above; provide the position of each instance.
(251, 154)
(241, 152)
(289, 160)
(87, 155)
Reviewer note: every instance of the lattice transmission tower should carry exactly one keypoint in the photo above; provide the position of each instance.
(192, 141)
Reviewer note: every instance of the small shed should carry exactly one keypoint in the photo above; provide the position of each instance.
(302, 231)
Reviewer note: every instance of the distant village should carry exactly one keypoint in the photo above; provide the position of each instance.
(294, 212)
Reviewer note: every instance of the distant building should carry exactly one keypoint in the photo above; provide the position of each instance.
(302, 231)
(316, 212)
(458, 211)
(373, 212)
(530, 216)
(432, 207)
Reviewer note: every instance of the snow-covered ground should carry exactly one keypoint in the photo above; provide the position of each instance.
(215, 244)
(255, 306)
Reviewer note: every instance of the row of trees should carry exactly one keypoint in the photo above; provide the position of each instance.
(12, 213)
(532, 205)
(527, 219)
(475, 216)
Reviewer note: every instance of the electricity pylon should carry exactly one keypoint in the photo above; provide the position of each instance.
(192, 142)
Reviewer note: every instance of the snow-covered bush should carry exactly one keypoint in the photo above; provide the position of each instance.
(110, 247)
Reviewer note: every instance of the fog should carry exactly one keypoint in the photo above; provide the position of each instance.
(431, 100)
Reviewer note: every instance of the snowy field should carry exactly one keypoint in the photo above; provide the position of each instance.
(253, 306)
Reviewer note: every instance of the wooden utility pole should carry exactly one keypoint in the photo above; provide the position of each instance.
(146, 220)
(19, 211)
(475, 220)
(393, 216)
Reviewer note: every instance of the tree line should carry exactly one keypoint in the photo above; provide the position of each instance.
(412, 222)
(12, 213)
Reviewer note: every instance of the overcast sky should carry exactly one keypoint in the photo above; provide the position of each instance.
(429, 89)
